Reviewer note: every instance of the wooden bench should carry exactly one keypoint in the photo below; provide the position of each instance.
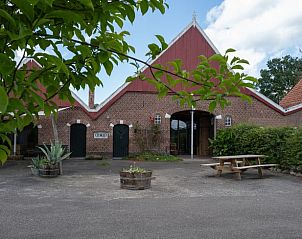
(257, 166)
(214, 165)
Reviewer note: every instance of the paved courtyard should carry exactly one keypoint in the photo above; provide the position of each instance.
(185, 201)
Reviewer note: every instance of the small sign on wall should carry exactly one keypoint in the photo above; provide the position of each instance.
(101, 135)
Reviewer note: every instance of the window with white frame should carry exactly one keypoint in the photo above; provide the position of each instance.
(228, 120)
(157, 119)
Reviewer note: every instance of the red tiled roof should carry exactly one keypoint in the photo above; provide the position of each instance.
(294, 97)
(187, 46)
(31, 64)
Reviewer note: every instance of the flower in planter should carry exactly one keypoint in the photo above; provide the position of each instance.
(134, 169)
(136, 178)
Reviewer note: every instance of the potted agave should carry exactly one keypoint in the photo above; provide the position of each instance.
(35, 165)
(135, 178)
(49, 164)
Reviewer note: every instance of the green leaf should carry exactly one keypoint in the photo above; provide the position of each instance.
(6, 64)
(154, 48)
(242, 61)
(119, 22)
(48, 2)
(177, 65)
(130, 12)
(246, 98)
(230, 50)
(158, 74)
(237, 67)
(250, 78)
(26, 8)
(44, 44)
(159, 5)
(164, 45)
(144, 6)
(108, 67)
(8, 17)
(212, 106)
(3, 100)
(87, 3)
(3, 156)
(69, 16)
(130, 78)
(217, 57)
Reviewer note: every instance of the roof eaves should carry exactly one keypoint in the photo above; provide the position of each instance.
(25, 61)
(269, 101)
(293, 108)
(78, 99)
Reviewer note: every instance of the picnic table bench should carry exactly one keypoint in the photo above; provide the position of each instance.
(238, 164)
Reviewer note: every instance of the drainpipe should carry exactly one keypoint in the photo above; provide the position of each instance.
(15, 143)
(192, 132)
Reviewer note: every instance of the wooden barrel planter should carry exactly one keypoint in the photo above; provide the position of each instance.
(136, 181)
(50, 171)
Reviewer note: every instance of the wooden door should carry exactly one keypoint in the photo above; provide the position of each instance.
(120, 140)
(78, 140)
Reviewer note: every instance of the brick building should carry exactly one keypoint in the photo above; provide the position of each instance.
(133, 118)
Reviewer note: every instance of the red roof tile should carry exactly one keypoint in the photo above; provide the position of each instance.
(294, 97)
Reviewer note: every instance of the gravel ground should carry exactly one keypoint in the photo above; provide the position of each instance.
(185, 201)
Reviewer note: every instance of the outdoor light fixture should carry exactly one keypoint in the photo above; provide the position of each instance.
(167, 116)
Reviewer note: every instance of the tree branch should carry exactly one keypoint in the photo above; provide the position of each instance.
(127, 56)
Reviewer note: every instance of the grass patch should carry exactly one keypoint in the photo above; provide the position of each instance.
(94, 157)
(103, 164)
(152, 157)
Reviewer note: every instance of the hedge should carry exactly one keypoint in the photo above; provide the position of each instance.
(282, 145)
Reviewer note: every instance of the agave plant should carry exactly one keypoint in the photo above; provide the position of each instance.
(54, 154)
(36, 162)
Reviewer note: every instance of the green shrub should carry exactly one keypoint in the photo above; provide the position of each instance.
(150, 156)
(293, 152)
(282, 145)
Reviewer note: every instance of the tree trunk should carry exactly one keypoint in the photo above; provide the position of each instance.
(56, 137)
(54, 128)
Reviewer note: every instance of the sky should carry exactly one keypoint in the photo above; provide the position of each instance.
(259, 30)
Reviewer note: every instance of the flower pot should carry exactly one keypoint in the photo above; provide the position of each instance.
(135, 181)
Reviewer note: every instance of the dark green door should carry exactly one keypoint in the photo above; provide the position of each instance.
(120, 140)
(78, 140)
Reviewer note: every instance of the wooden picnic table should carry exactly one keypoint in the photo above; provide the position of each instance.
(238, 164)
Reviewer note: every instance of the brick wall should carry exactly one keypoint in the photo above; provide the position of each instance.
(136, 108)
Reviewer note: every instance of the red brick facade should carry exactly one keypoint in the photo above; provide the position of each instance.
(135, 103)
(136, 108)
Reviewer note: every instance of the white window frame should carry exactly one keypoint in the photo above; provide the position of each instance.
(157, 119)
(228, 121)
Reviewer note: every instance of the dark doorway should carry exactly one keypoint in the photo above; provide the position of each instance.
(78, 140)
(180, 133)
(120, 140)
(27, 140)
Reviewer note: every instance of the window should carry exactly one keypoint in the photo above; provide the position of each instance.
(228, 120)
(157, 119)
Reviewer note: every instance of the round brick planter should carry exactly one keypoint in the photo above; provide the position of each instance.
(136, 181)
